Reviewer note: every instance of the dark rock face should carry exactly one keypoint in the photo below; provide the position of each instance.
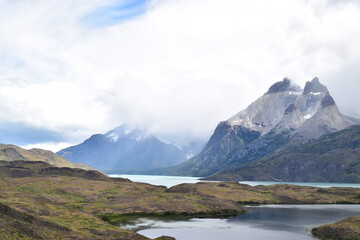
(314, 87)
(226, 133)
(229, 147)
(333, 158)
(19, 172)
(284, 85)
(327, 101)
(290, 109)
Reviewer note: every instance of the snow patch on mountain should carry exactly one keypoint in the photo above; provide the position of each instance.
(288, 107)
(113, 137)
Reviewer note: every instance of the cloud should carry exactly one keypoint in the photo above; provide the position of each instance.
(176, 67)
(10, 133)
(52, 146)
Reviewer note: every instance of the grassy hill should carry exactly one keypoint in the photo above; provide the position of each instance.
(15, 153)
(64, 204)
(346, 229)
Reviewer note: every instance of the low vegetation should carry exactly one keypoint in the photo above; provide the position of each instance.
(346, 229)
(61, 206)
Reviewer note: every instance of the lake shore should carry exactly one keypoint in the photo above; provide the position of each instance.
(73, 204)
(346, 229)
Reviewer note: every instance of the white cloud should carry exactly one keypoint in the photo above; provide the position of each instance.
(51, 146)
(183, 66)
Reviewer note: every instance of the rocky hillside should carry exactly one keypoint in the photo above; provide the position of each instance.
(15, 224)
(285, 116)
(332, 158)
(20, 169)
(15, 153)
(127, 150)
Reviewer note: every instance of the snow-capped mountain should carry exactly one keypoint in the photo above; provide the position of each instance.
(286, 115)
(128, 150)
(288, 107)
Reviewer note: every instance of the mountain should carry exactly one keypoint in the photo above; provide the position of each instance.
(334, 157)
(15, 153)
(127, 150)
(285, 116)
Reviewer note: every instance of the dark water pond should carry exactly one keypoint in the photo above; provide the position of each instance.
(271, 222)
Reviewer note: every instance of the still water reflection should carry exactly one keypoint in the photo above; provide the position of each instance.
(272, 222)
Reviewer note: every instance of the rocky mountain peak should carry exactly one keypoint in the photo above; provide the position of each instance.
(282, 86)
(327, 101)
(314, 86)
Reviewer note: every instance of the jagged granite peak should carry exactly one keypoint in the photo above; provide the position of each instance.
(314, 87)
(282, 86)
(283, 117)
(326, 120)
(290, 109)
(327, 101)
(269, 110)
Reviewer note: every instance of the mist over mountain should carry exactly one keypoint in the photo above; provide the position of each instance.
(285, 116)
(126, 149)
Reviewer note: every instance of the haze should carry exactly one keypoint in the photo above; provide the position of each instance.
(69, 69)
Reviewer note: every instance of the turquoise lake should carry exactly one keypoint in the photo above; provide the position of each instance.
(169, 181)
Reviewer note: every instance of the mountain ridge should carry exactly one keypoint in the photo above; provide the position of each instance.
(286, 115)
(126, 149)
(334, 157)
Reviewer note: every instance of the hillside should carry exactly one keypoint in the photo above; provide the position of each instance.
(21, 169)
(332, 158)
(66, 205)
(346, 229)
(15, 153)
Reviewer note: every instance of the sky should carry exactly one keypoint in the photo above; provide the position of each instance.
(70, 69)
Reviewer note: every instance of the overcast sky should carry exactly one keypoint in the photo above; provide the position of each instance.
(69, 69)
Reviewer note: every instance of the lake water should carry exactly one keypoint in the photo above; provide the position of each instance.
(170, 181)
(270, 222)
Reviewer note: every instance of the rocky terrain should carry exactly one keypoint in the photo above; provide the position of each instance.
(20, 169)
